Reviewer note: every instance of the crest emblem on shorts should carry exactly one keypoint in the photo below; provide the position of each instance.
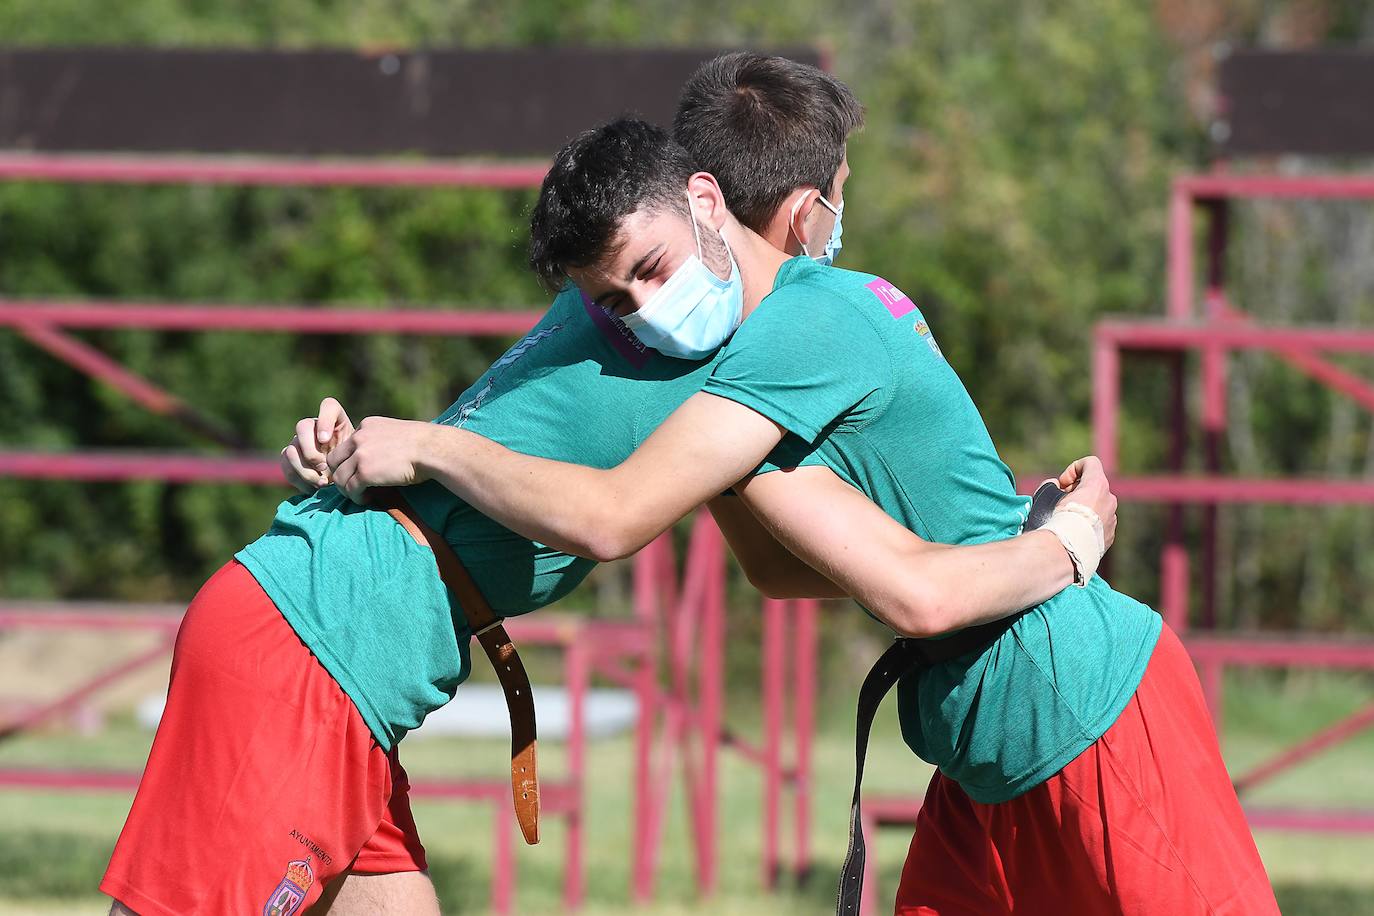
(290, 893)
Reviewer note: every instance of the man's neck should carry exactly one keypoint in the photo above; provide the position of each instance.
(759, 263)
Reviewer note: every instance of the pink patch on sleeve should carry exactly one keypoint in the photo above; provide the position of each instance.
(892, 298)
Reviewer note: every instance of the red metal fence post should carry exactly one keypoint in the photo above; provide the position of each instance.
(806, 612)
(774, 686)
(1213, 396)
(1106, 398)
(577, 677)
(1179, 252)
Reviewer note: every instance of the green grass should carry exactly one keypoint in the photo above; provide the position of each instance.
(54, 846)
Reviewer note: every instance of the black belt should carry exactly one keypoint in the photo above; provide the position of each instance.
(902, 657)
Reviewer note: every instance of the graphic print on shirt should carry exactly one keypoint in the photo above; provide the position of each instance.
(924, 330)
(614, 330)
(466, 409)
(899, 305)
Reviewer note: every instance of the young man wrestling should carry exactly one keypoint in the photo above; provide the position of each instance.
(1078, 769)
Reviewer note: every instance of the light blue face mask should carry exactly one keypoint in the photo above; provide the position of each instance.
(833, 244)
(694, 312)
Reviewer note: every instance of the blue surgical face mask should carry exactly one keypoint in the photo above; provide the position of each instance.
(833, 244)
(694, 312)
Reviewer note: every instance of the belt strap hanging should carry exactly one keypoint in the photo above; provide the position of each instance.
(487, 627)
(902, 657)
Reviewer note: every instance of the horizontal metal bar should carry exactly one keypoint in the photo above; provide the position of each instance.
(1283, 650)
(68, 779)
(614, 638)
(1219, 185)
(556, 797)
(1167, 335)
(1337, 820)
(1213, 490)
(162, 316)
(82, 615)
(608, 638)
(892, 810)
(895, 811)
(107, 169)
(109, 466)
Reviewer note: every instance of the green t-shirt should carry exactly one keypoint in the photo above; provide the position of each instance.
(847, 364)
(366, 599)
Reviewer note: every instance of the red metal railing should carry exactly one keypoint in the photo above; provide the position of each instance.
(71, 168)
(1221, 330)
(679, 622)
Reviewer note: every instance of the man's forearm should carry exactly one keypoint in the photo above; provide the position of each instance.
(703, 447)
(916, 587)
(579, 510)
(973, 584)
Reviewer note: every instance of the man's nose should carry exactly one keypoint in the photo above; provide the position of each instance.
(640, 292)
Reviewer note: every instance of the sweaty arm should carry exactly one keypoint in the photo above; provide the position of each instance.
(916, 587)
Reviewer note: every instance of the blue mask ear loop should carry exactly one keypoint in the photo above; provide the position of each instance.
(833, 209)
(793, 218)
(696, 234)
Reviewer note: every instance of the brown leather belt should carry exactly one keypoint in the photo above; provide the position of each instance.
(486, 626)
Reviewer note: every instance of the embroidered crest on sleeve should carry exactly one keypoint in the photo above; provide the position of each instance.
(924, 330)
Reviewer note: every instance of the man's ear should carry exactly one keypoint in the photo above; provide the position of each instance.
(798, 207)
(780, 232)
(708, 203)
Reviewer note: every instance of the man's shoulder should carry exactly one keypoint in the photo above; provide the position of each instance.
(823, 304)
(819, 286)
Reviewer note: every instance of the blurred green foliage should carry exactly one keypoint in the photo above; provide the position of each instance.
(1013, 178)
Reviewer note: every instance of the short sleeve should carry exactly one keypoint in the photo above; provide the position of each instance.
(792, 452)
(806, 359)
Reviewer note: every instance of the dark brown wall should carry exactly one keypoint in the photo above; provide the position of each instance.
(1316, 102)
(437, 102)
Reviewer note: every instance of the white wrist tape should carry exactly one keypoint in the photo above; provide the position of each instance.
(1080, 531)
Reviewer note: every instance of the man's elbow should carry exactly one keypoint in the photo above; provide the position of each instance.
(770, 583)
(599, 546)
(922, 613)
(607, 541)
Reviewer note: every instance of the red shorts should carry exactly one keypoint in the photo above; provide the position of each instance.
(263, 783)
(1144, 821)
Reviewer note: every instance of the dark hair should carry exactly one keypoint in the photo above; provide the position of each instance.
(765, 126)
(597, 180)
